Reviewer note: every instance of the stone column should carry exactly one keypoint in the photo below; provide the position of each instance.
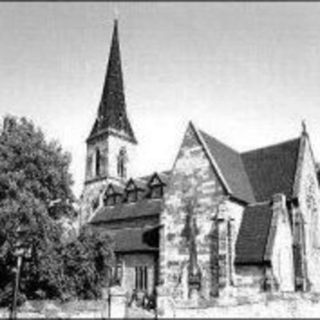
(165, 304)
(118, 303)
(302, 282)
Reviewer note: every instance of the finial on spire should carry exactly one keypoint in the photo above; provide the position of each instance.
(116, 14)
(112, 108)
(304, 127)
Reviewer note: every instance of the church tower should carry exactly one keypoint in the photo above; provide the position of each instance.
(111, 141)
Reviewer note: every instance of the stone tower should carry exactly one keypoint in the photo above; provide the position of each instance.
(111, 141)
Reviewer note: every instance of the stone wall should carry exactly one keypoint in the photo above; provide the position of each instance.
(115, 144)
(100, 143)
(194, 179)
(91, 200)
(130, 261)
(248, 280)
(140, 222)
(263, 306)
(109, 147)
(308, 193)
(282, 248)
(53, 309)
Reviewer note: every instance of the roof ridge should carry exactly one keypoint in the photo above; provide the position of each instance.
(278, 144)
(148, 176)
(271, 169)
(219, 141)
(259, 203)
(231, 166)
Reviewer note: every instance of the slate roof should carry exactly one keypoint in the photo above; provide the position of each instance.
(253, 176)
(139, 183)
(129, 240)
(253, 234)
(112, 109)
(141, 208)
(116, 188)
(272, 169)
(230, 163)
(164, 176)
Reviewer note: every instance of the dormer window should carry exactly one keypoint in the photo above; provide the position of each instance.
(134, 190)
(156, 186)
(112, 196)
(122, 163)
(110, 200)
(132, 196)
(156, 191)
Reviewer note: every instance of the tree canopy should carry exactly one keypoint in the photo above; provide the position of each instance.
(35, 190)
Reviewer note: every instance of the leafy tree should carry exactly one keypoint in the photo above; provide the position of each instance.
(88, 263)
(34, 173)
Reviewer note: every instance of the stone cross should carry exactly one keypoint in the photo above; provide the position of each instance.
(190, 232)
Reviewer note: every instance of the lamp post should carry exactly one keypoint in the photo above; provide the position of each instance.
(21, 250)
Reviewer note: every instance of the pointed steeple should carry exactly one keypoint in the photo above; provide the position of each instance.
(304, 128)
(112, 115)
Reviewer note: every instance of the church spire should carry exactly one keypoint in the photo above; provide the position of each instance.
(112, 115)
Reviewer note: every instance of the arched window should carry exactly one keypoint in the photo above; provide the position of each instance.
(89, 166)
(98, 156)
(122, 161)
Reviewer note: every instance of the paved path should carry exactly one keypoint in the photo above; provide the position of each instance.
(139, 313)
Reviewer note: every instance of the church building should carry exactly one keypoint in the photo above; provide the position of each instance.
(218, 221)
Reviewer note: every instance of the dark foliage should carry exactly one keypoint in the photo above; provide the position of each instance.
(33, 175)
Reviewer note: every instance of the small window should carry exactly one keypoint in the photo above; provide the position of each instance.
(109, 200)
(230, 256)
(132, 196)
(95, 203)
(156, 191)
(141, 278)
(98, 156)
(89, 166)
(122, 163)
(119, 271)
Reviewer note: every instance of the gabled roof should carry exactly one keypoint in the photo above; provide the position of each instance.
(162, 178)
(137, 183)
(272, 169)
(114, 189)
(112, 115)
(141, 208)
(253, 234)
(130, 240)
(230, 164)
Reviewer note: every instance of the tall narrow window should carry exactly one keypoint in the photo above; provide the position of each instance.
(229, 243)
(89, 166)
(98, 156)
(119, 271)
(141, 275)
(122, 161)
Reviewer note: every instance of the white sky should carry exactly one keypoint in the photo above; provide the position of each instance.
(247, 73)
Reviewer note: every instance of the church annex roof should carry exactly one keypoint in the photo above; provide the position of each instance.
(112, 115)
(256, 175)
(272, 169)
(132, 240)
(230, 163)
(121, 211)
(253, 177)
(253, 234)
